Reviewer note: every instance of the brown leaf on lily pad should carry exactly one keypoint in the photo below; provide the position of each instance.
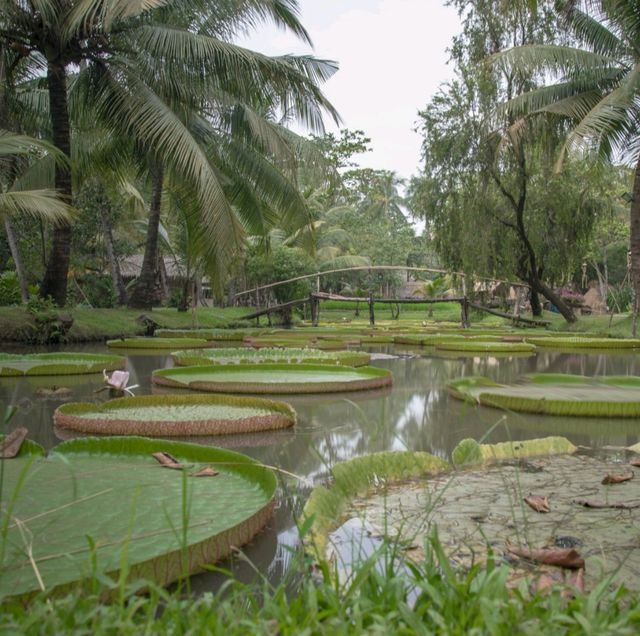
(603, 504)
(537, 503)
(617, 479)
(167, 460)
(568, 558)
(577, 579)
(545, 581)
(207, 471)
(11, 444)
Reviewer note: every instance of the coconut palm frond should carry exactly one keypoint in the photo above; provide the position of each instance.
(40, 204)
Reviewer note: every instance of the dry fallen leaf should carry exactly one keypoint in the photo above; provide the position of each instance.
(635, 462)
(603, 504)
(537, 503)
(617, 479)
(207, 471)
(568, 558)
(12, 443)
(168, 461)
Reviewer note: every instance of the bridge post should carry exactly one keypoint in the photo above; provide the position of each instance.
(314, 304)
(464, 313)
(372, 318)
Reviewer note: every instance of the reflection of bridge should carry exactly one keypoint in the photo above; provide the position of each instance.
(316, 297)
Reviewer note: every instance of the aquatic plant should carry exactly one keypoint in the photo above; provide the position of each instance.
(274, 378)
(66, 363)
(157, 343)
(176, 415)
(96, 507)
(556, 394)
(269, 355)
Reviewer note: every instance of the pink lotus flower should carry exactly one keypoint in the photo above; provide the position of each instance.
(118, 381)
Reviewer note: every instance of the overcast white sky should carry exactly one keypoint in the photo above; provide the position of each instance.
(392, 56)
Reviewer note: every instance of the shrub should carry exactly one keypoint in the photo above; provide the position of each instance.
(9, 289)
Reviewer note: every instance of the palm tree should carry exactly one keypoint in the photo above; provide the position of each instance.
(17, 155)
(597, 90)
(138, 60)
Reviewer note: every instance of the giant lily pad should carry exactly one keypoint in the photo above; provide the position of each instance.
(482, 511)
(486, 347)
(57, 363)
(92, 505)
(210, 334)
(556, 394)
(579, 343)
(274, 378)
(269, 355)
(157, 343)
(176, 415)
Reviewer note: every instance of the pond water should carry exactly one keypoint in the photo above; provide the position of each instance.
(415, 414)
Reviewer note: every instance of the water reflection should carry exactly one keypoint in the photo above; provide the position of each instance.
(415, 414)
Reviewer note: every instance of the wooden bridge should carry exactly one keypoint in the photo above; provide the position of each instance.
(315, 298)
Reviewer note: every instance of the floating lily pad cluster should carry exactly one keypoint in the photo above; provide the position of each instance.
(94, 504)
(269, 355)
(556, 394)
(57, 363)
(176, 416)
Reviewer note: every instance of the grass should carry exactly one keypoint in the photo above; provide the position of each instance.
(380, 597)
(101, 324)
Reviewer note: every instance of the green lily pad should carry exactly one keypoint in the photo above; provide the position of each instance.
(482, 511)
(210, 334)
(269, 355)
(274, 378)
(57, 363)
(556, 394)
(577, 344)
(157, 343)
(93, 504)
(176, 415)
(486, 347)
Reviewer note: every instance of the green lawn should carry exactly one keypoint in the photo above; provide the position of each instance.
(102, 324)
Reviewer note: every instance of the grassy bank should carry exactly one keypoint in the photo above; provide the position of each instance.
(101, 324)
(16, 324)
(379, 598)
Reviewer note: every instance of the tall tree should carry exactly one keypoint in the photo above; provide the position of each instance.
(596, 88)
(127, 54)
(487, 190)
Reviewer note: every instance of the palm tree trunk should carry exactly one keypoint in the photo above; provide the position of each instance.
(634, 244)
(17, 260)
(114, 266)
(143, 293)
(54, 283)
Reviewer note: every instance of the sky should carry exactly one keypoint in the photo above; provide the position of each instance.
(392, 56)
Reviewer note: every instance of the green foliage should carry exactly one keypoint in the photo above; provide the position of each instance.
(9, 289)
(281, 263)
(619, 298)
(104, 507)
(468, 451)
(382, 597)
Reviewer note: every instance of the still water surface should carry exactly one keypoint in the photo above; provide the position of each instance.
(415, 414)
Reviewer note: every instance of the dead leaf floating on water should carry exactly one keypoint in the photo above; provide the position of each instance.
(603, 504)
(537, 503)
(617, 479)
(569, 558)
(168, 461)
(207, 471)
(12, 443)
